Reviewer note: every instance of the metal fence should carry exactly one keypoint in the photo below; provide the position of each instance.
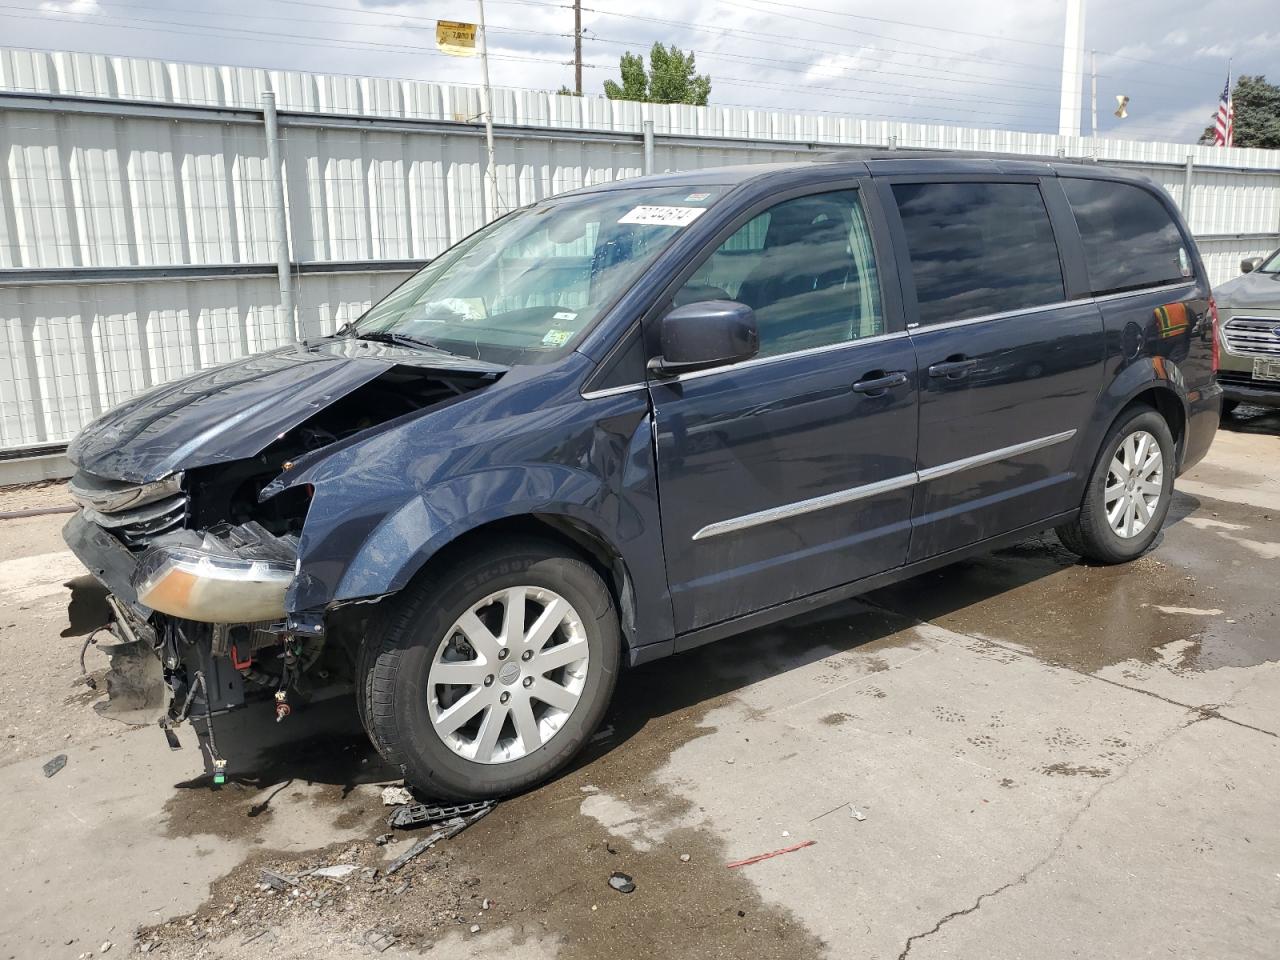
(140, 230)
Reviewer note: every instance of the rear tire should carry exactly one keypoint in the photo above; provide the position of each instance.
(1128, 493)
(452, 683)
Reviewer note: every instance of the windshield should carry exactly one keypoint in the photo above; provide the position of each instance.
(1272, 264)
(523, 288)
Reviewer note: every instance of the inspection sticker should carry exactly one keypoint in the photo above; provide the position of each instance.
(662, 216)
(556, 338)
(695, 197)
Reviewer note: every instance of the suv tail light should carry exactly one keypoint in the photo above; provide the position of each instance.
(1213, 332)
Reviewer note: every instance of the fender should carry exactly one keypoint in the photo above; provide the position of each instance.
(383, 507)
(1135, 377)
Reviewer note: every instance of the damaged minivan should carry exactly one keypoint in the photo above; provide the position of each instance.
(632, 419)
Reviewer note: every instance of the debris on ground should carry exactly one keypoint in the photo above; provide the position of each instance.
(451, 829)
(375, 913)
(475, 928)
(54, 765)
(423, 814)
(856, 813)
(278, 881)
(684, 858)
(772, 853)
(379, 940)
(339, 871)
(621, 882)
(396, 796)
(382, 839)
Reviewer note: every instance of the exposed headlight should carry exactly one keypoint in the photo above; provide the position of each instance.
(227, 574)
(189, 583)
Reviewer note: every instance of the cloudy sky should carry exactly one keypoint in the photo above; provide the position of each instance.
(987, 63)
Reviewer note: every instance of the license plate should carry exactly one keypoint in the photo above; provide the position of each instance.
(1266, 369)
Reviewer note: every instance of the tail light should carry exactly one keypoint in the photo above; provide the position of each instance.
(1213, 332)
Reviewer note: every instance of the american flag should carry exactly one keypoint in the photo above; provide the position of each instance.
(1224, 125)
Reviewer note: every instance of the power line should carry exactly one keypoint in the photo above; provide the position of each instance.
(756, 36)
(797, 66)
(951, 30)
(955, 54)
(248, 35)
(776, 63)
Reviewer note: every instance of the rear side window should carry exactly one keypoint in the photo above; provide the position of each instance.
(978, 248)
(1130, 240)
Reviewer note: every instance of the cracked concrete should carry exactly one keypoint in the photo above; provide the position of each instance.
(1197, 717)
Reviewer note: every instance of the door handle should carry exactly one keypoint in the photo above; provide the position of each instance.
(876, 386)
(953, 369)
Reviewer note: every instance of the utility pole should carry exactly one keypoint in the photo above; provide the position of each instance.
(490, 170)
(577, 46)
(1072, 70)
(1093, 93)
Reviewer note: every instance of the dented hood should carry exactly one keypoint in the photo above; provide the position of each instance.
(235, 411)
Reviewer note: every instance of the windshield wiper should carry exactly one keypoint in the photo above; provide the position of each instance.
(400, 339)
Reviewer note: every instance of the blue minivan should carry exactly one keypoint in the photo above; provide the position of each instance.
(643, 416)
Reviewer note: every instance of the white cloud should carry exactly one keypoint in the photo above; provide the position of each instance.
(81, 7)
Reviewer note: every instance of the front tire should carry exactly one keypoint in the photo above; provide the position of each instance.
(1128, 493)
(486, 678)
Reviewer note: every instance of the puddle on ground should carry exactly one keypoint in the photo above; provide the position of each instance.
(1039, 596)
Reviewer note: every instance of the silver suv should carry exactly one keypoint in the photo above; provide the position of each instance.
(1249, 334)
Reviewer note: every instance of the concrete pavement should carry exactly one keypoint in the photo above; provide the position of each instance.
(1045, 759)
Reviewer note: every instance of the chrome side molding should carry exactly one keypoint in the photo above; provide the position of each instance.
(853, 494)
(993, 456)
(807, 506)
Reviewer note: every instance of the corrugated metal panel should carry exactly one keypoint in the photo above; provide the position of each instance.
(80, 190)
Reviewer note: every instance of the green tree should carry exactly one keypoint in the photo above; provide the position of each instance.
(672, 78)
(1257, 106)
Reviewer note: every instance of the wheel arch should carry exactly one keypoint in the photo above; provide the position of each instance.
(1150, 383)
(1169, 405)
(572, 534)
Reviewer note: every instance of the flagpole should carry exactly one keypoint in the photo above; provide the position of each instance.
(490, 170)
(1231, 110)
(1093, 93)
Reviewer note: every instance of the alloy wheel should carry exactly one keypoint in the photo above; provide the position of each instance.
(509, 674)
(1135, 484)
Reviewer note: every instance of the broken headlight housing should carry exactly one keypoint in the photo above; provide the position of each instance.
(231, 575)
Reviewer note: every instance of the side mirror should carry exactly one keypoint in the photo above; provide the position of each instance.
(1250, 264)
(709, 333)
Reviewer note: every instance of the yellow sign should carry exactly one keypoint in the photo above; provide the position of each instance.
(456, 39)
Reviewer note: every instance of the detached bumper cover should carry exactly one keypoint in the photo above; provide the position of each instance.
(106, 558)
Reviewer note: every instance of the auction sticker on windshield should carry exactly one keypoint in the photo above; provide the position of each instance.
(662, 216)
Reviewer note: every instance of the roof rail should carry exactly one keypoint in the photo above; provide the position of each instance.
(882, 153)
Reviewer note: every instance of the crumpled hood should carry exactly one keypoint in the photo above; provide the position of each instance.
(235, 411)
(1259, 290)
